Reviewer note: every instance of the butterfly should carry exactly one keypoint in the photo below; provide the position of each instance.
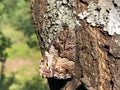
(58, 60)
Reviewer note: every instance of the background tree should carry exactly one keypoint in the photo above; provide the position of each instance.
(4, 43)
(92, 28)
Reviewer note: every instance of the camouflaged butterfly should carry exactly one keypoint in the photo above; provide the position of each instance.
(58, 61)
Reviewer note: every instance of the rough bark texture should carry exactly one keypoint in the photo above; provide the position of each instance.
(96, 51)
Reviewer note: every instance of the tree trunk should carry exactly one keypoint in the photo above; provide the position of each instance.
(2, 74)
(80, 43)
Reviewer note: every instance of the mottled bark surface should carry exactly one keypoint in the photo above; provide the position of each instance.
(96, 55)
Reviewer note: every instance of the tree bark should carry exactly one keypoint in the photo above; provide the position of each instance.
(94, 42)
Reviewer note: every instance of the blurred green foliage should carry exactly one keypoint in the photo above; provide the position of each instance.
(16, 27)
(17, 14)
(16, 81)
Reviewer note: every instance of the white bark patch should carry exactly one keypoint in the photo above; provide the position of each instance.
(106, 13)
(58, 13)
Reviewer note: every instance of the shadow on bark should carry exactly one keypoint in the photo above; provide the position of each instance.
(57, 84)
(81, 87)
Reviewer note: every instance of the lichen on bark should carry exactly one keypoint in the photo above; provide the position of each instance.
(57, 14)
(105, 14)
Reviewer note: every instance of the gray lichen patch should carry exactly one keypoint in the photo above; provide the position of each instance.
(106, 13)
(58, 13)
